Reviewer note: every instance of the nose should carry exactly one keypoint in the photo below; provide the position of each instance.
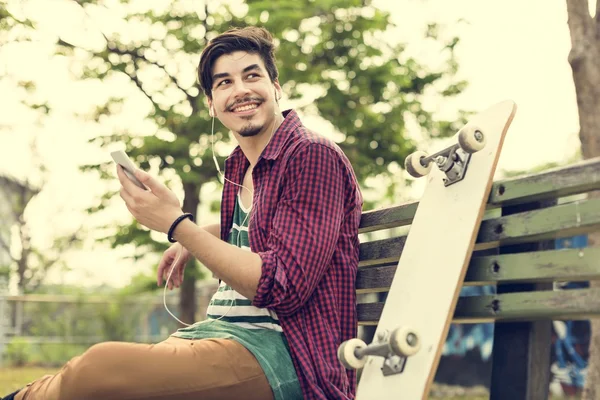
(240, 89)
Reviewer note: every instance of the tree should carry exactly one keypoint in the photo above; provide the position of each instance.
(334, 61)
(28, 262)
(31, 263)
(17, 195)
(584, 59)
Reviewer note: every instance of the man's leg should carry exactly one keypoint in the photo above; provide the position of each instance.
(174, 369)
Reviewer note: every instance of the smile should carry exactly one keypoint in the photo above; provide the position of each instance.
(245, 108)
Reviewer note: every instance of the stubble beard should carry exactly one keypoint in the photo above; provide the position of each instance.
(250, 130)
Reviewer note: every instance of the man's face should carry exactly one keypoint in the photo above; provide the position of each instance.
(243, 96)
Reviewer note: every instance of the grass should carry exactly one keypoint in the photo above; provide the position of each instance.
(12, 379)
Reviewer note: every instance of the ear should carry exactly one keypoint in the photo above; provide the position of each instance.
(211, 108)
(278, 91)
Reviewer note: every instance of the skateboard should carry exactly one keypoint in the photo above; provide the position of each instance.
(402, 360)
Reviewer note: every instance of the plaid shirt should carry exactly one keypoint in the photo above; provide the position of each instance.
(304, 225)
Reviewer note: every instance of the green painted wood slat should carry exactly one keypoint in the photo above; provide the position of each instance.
(548, 223)
(559, 182)
(534, 267)
(526, 306)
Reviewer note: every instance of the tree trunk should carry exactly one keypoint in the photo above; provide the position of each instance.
(23, 268)
(187, 293)
(585, 61)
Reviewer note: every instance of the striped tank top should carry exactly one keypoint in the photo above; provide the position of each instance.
(227, 304)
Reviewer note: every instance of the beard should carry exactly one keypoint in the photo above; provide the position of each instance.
(250, 130)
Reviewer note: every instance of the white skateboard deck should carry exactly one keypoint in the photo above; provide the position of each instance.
(433, 264)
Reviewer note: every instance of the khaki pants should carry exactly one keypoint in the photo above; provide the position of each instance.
(174, 369)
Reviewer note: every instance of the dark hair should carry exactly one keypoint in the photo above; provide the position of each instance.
(249, 39)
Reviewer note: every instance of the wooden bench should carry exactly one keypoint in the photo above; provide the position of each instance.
(514, 252)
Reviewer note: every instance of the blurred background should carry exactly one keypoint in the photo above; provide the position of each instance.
(382, 78)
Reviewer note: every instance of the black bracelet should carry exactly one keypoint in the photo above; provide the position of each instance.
(174, 225)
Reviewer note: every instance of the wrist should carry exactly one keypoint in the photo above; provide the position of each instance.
(176, 222)
(184, 228)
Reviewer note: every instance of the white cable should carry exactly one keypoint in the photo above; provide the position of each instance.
(167, 284)
(212, 134)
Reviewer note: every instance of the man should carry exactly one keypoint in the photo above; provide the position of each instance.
(285, 252)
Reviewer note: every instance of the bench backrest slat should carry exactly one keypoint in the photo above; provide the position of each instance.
(553, 183)
(533, 267)
(538, 266)
(559, 182)
(548, 223)
(538, 305)
(379, 258)
(531, 226)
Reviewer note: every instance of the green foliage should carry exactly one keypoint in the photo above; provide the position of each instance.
(4, 271)
(55, 354)
(140, 284)
(67, 328)
(21, 352)
(18, 351)
(333, 60)
(365, 87)
(113, 328)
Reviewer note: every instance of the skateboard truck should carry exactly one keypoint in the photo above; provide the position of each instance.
(453, 160)
(395, 348)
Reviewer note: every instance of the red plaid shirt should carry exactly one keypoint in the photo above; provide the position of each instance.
(304, 225)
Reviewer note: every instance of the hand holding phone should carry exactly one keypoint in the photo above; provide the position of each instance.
(121, 158)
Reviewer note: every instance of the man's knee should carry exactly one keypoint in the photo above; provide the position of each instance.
(90, 373)
(100, 355)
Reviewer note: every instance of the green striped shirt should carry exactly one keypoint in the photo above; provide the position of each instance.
(232, 316)
(229, 305)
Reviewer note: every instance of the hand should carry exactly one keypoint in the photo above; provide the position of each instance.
(175, 257)
(156, 208)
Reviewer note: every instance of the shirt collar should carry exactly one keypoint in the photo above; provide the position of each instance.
(275, 145)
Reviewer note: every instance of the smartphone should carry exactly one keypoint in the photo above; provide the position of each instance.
(124, 161)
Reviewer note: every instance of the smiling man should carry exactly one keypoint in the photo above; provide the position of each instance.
(285, 252)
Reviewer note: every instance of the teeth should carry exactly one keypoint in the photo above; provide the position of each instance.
(245, 108)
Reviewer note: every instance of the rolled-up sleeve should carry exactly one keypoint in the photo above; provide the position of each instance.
(305, 229)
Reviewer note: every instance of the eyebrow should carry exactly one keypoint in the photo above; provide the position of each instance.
(225, 74)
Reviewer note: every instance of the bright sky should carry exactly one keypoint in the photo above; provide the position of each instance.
(512, 49)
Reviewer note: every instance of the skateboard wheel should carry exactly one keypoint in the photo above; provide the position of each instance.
(347, 356)
(471, 139)
(405, 342)
(413, 165)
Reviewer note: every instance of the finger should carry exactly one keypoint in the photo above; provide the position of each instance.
(160, 271)
(179, 278)
(151, 183)
(163, 267)
(175, 267)
(171, 283)
(127, 183)
(174, 277)
(165, 261)
(176, 274)
(127, 198)
(170, 273)
(165, 274)
(123, 179)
